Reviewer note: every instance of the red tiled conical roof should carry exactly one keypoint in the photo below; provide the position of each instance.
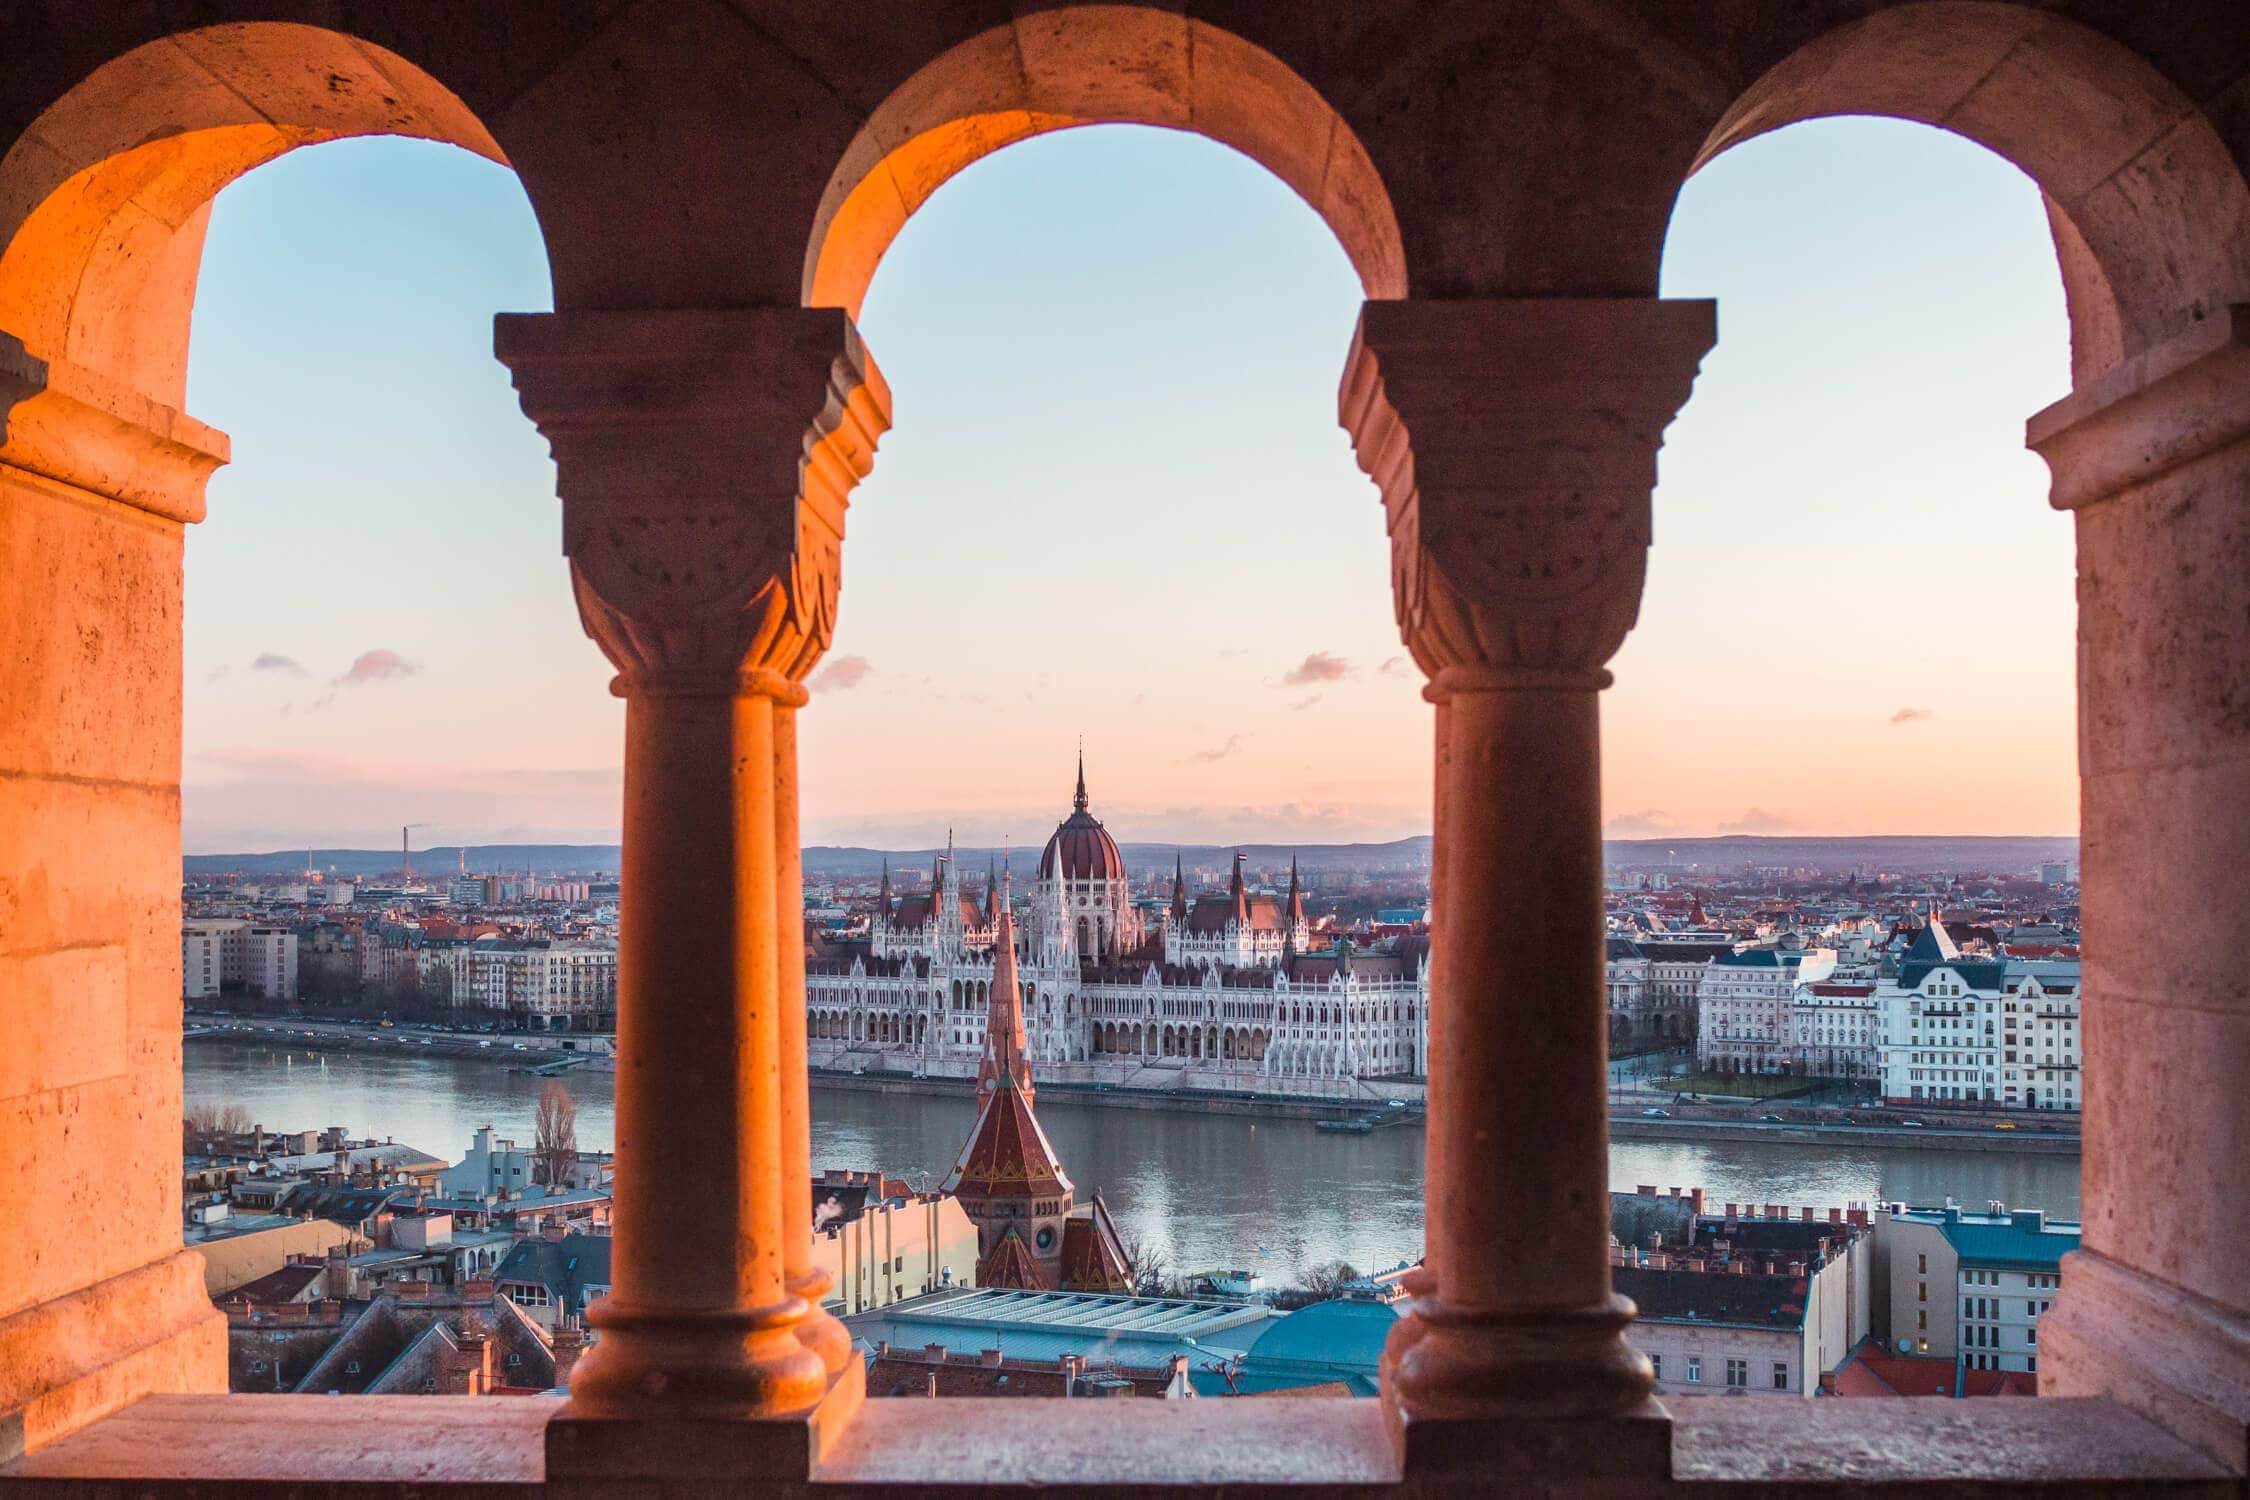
(1008, 1155)
(1011, 1265)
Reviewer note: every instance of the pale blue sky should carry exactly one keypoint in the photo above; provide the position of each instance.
(1116, 503)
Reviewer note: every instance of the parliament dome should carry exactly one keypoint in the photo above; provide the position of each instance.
(1081, 849)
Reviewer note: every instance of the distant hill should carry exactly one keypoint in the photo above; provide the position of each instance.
(1899, 853)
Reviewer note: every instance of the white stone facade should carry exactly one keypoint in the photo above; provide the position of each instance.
(564, 987)
(219, 952)
(1984, 1031)
(1222, 994)
(1833, 1030)
(1744, 1023)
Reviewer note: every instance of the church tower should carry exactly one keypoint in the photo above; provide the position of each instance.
(1008, 1178)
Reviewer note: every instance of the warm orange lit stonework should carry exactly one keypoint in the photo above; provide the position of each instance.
(716, 183)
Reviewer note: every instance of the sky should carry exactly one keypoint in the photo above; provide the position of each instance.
(1115, 504)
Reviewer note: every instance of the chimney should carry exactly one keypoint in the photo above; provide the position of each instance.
(1695, 1201)
(929, 1379)
(934, 1353)
(1805, 1215)
(882, 1348)
(552, 1231)
(989, 1358)
(467, 1370)
(1797, 1269)
(569, 1342)
(1646, 1190)
(1835, 1216)
(479, 1289)
(1733, 1212)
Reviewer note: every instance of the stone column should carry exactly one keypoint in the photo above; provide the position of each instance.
(2153, 461)
(1515, 443)
(822, 1332)
(99, 1304)
(704, 461)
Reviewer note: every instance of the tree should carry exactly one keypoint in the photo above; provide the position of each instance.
(1148, 1264)
(554, 1145)
(208, 1120)
(1327, 1279)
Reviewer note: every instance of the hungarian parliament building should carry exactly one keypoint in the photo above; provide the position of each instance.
(1226, 992)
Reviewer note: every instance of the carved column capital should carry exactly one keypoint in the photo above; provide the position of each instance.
(78, 428)
(705, 460)
(1514, 442)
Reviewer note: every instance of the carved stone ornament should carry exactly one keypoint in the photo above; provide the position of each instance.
(1514, 443)
(705, 460)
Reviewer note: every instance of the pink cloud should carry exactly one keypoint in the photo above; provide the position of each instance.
(841, 675)
(377, 666)
(1318, 667)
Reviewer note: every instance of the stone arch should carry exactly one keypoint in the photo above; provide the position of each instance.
(105, 197)
(1091, 65)
(2150, 212)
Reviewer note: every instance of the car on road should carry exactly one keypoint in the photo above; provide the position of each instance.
(1657, 1114)
(1769, 1119)
(2005, 1125)
(518, 1046)
(1846, 1120)
(1394, 1104)
(1913, 1124)
(484, 1044)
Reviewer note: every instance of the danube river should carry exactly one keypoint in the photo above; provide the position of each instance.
(1214, 1190)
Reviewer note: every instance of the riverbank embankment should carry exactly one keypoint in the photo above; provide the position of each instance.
(554, 1054)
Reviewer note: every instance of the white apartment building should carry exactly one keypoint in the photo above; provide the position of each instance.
(557, 988)
(219, 952)
(1744, 1023)
(1833, 1029)
(1995, 1031)
(202, 960)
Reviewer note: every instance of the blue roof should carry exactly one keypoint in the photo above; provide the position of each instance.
(1976, 973)
(1326, 1341)
(1135, 1332)
(2024, 1240)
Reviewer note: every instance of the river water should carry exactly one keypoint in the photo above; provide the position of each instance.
(1213, 1190)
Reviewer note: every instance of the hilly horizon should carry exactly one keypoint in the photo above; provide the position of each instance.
(1716, 854)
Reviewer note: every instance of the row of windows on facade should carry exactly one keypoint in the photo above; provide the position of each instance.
(1737, 1372)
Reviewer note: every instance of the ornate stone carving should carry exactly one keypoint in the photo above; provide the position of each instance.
(1514, 443)
(705, 460)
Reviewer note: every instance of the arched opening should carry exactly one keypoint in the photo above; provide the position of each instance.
(2151, 215)
(1090, 65)
(105, 203)
(105, 199)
